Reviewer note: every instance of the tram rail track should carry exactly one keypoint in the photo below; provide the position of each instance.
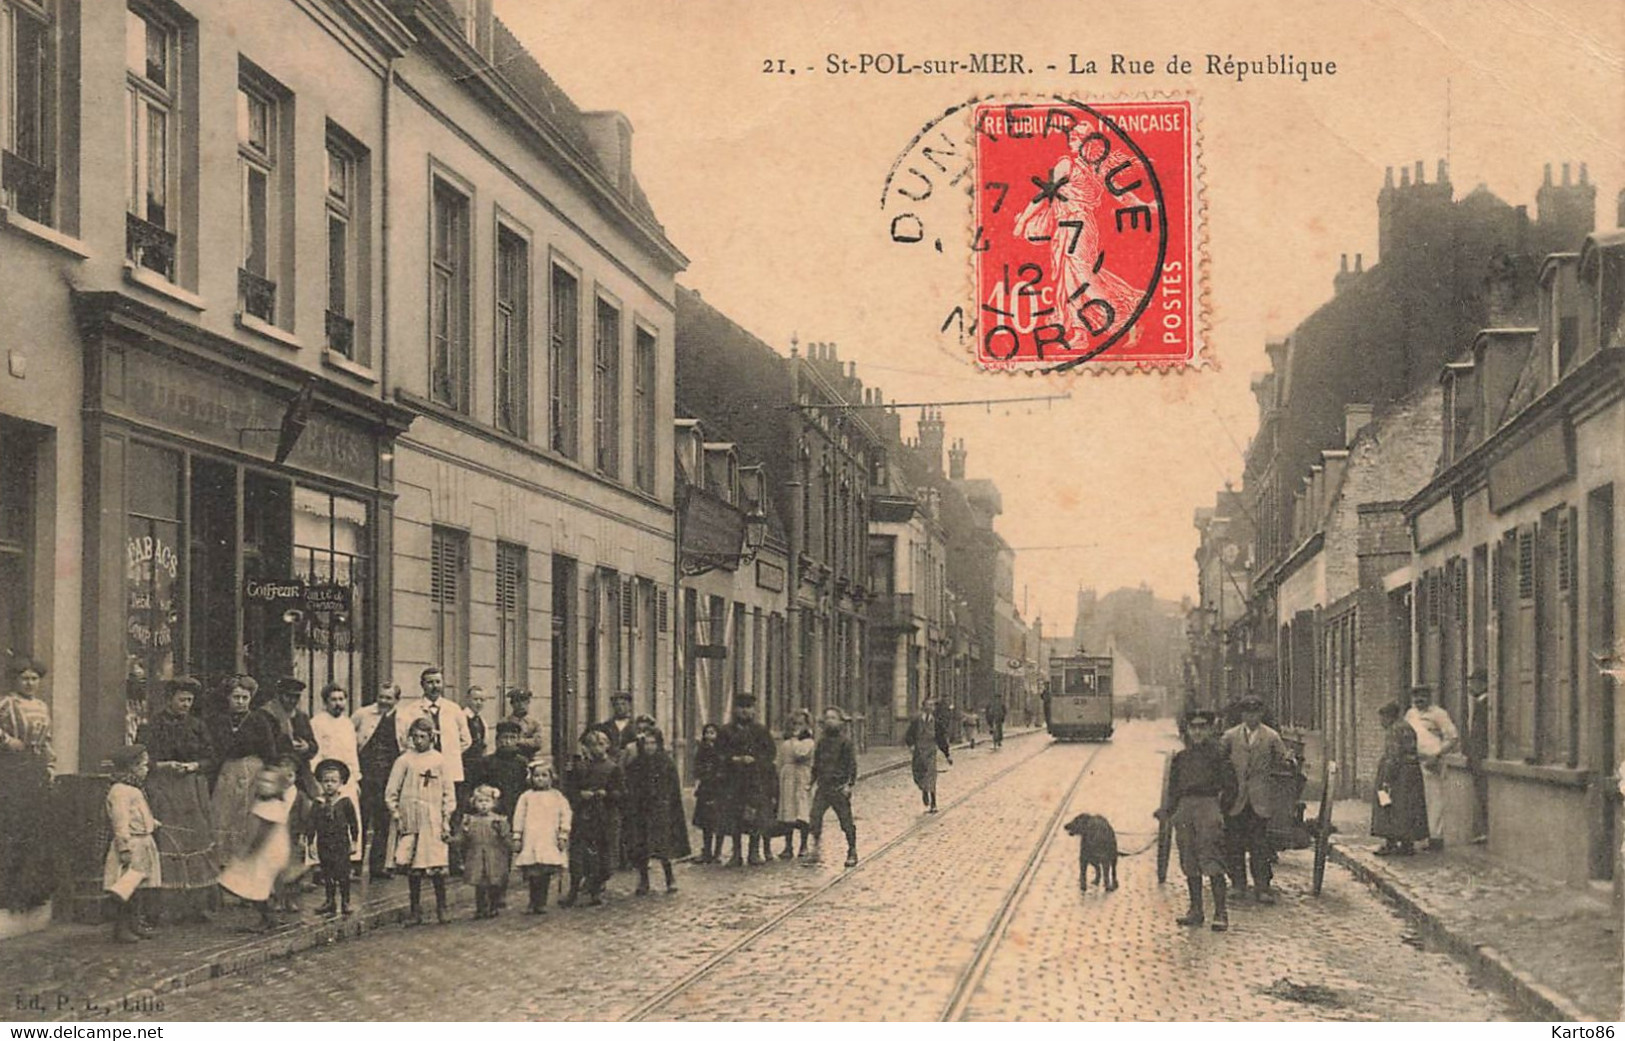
(969, 977)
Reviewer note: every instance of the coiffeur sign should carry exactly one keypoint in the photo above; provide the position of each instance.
(295, 593)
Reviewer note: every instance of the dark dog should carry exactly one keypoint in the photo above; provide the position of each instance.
(1097, 848)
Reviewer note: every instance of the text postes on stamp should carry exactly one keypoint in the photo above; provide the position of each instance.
(1085, 234)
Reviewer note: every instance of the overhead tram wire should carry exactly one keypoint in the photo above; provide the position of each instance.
(989, 402)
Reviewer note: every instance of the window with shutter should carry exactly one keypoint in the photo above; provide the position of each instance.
(1565, 554)
(448, 604)
(1526, 563)
(628, 621)
(513, 631)
(663, 613)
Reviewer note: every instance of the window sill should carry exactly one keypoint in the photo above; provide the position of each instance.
(334, 360)
(1561, 776)
(137, 275)
(270, 332)
(43, 233)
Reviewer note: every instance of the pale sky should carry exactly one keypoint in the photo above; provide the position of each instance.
(771, 185)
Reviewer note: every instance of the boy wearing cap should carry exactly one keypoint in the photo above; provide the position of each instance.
(834, 772)
(335, 827)
(1201, 782)
(749, 779)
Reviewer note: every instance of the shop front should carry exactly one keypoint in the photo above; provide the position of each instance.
(237, 519)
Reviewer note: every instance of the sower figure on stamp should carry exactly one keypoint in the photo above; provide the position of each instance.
(1201, 783)
(1257, 753)
(834, 772)
(927, 734)
(749, 779)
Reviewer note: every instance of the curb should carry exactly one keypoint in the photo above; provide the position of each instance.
(1531, 996)
(309, 935)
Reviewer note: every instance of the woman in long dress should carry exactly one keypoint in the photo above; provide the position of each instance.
(1399, 813)
(182, 757)
(795, 781)
(245, 743)
(27, 859)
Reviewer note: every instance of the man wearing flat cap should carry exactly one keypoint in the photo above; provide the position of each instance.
(749, 780)
(530, 728)
(1256, 753)
(619, 727)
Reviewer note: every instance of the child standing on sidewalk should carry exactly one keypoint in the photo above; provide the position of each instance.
(486, 857)
(254, 875)
(541, 833)
(708, 795)
(334, 826)
(421, 801)
(132, 866)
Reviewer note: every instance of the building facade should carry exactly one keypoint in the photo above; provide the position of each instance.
(531, 323)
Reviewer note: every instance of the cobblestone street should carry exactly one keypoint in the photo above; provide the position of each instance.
(896, 938)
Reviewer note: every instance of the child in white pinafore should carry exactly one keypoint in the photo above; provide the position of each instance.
(541, 834)
(132, 866)
(421, 801)
(257, 873)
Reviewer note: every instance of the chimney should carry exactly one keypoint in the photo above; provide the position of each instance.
(610, 134)
(1419, 168)
(931, 436)
(1404, 177)
(956, 461)
(1619, 210)
(1359, 263)
(1355, 419)
(1341, 279)
(833, 354)
(1444, 172)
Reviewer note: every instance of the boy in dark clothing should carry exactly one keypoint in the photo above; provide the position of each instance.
(508, 769)
(1201, 784)
(834, 772)
(335, 826)
(596, 788)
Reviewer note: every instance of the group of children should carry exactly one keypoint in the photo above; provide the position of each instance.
(421, 801)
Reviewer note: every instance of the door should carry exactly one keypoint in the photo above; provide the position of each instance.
(1599, 565)
(563, 658)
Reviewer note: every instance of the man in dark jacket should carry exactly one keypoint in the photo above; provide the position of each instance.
(375, 736)
(1201, 785)
(749, 780)
(995, 720)
(834, 772)
(927, 734)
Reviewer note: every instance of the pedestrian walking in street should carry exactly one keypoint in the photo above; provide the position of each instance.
(181, 757)
(795, 781)
(834, 772)
(927, 734)
(334, 827)
(1436, 737)
(245, 741)
(749, 779)
(708, 795)
(335, 739)
(1398, 808)
(596, 788)
(421, 800)
(541, 834)
(378, 747)
(530, 728)
(486, 838)
(133, 867)
(261, 871)
(1257, 753)
(995, 721)
(1201, 783)
(656, 827)
(508, 768)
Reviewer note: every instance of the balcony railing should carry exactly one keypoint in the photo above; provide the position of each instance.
(150, 245)
(30, 188)
(892, 611)
(340, 334)
(258, 295)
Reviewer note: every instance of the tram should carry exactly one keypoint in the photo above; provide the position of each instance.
(1078, 706)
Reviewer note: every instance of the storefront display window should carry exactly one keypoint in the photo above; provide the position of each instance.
(330, 554)
(152, 574)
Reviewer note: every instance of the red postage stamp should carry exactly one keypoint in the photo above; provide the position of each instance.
(1086, 235)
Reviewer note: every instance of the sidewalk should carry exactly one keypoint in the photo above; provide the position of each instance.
(71, 971)
(1554, 948)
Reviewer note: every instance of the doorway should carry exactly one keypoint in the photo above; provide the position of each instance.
(1600, 640)
(563, 658)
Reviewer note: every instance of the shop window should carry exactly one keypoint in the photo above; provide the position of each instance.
(152, 570)
(643, 410)
(513, 333)
(331, 553)
(152, 98)
(448, 603)
(563, 358)
(28, 119)
(607, 388)
(450, 290)
(513, 629)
